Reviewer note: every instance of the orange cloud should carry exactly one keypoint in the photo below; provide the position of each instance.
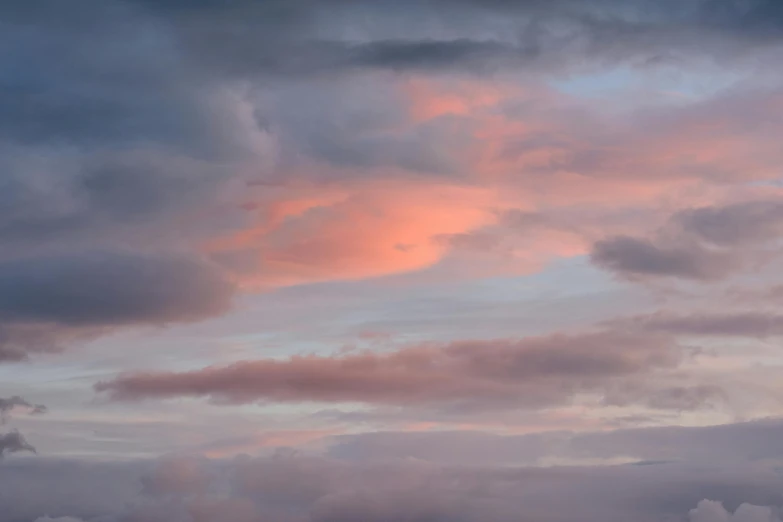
(362, 230)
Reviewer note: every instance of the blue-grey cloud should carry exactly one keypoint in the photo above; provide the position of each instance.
(48, 301)
(110, 288)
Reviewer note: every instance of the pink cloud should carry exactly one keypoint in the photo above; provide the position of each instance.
(531, 372)
(359, 231)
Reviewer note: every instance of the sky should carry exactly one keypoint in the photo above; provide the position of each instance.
(411, 261)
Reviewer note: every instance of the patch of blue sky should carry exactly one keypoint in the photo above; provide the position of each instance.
(595, 84)
(668, 81)
(569, 293)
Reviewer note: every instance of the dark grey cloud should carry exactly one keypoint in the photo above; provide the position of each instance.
(632, 256)
(109, 144)
(48, 302)
(325, 58)
(429, 55)
(14, 442)
(757, 19)
(707, 243)
(98, 74)
(110, 288)
(734, 225)
(255, 37)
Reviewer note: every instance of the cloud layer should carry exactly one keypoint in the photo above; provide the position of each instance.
(267, 145)
(166, 162)
(315, 489)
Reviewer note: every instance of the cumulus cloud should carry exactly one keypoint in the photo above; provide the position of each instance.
(713, 511)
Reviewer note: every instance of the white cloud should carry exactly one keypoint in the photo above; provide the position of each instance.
(713, 511)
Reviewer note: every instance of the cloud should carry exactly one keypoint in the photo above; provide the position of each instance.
(14, 442)
(158, 156)
(58, 519)
(530, 372)
(740, 224)
(40, 487)
(706, 243)
(51, 300)
(674, 397)
(7, 405)
(746, 442)
(713, 511)
(312, 489)
(457, 34)
(354, 233)
(632, 256)
(108, 288)
(113, 161)
(758, 324)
